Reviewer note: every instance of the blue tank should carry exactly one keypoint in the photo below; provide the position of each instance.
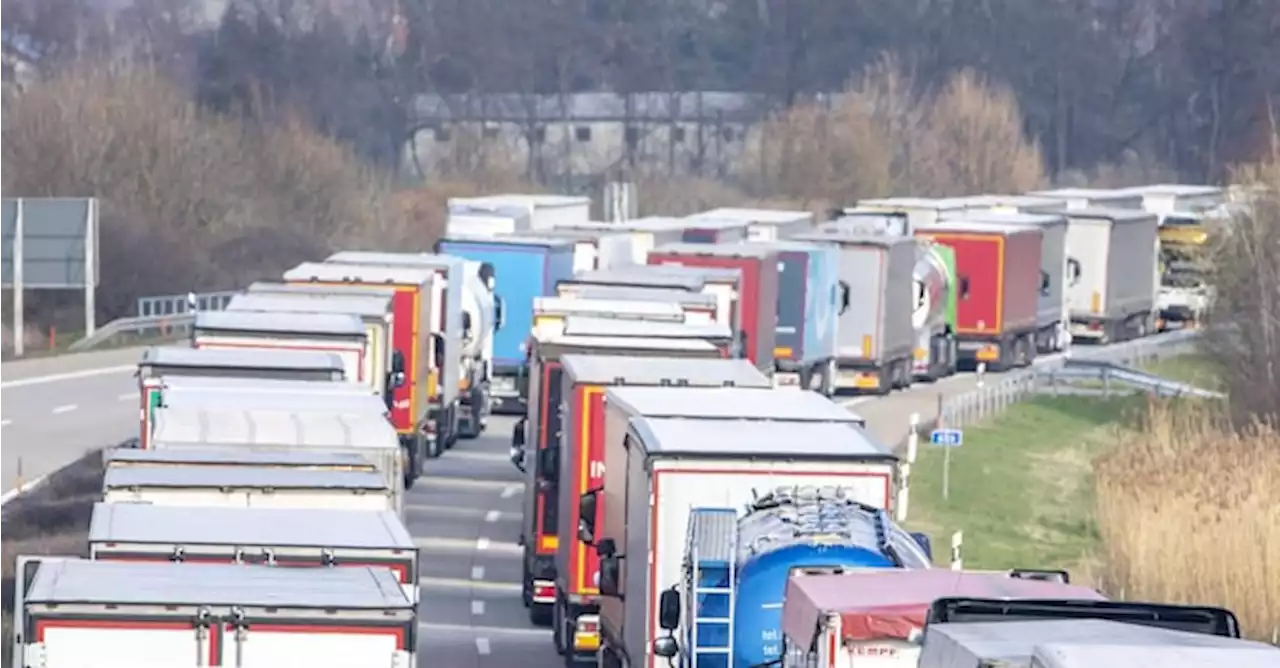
(782, 532)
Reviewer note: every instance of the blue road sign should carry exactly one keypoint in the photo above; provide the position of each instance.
(947, 438)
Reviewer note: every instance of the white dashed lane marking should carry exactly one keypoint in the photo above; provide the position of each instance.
(492, 516)
(127, 396)
(65, 408)
(5, 423)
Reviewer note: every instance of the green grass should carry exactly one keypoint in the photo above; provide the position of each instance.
(1021, 487)
(1197, 370)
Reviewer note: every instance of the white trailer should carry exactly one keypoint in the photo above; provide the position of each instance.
(98, 614)
(287, 537)
(1122, 653)
(763, 224)
(596, 249)
(920, 211)
(371, 436)
(1113, 273)
(1092, 198)
(698, 307)
(671, 450)
(1169, 198)
(485, 216)
(241, 486)
(715, 333)
(551, 313)
(646, 233)
(374, 312)
(341, 334)
(545, 212)
(1013, 204)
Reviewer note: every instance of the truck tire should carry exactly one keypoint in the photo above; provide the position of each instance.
(559, 628)
(412, 467)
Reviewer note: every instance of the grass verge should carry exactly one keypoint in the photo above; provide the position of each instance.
(1021, 485)
(1197, 370)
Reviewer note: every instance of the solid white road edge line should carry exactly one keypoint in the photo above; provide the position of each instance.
(70, 375)
(23, 489)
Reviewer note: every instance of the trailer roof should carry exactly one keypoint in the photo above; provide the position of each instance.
(326, 324)
(735, 250)
(627, 370)
(520, 239)
(790, 245)
(714, 223)
(765, 439)
(206, 525)
(347, 404)
(370, 307)
(853, 237)
(430, 260)
(704, 274)
(248, 358)
(1083, 654)
(1113, 215)
(241, 384)
(755, 216)
(620, 343)
(124, 583)
(975, 226)
(580, 325)
(729, 403)
(318, 290)
(640, 294)
(636, 276)
(890, 604)
(1030, 201)
(1011, 640)
(197, 456)
(1006, 218)
(1175, 190)
(366, 274)
(579, 234)
(590, 306)
(1085, 193)
(239, 476)
(931, 203)
(267, 427)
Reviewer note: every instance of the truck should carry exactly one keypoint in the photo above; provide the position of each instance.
(1172, 198)
(159, 363)
(239, 485)
(699, 456)
(875, 333)
(869, 221)
(1185, 295)
(523, 268)
(1029, 204)
(725, 283)
(708, 230)
(758, 292)
(374, 312)
(486, 216)
(1089, 198)
(78, 612)
(339, 333)
(424, 421)
(1052, 310)
(933, 314)
(713, 332)
(1120, 652)
(543, 426)
(1000, 282)
(636, 276)
(763, 224)
(282, 537)
(468, 319)
(806, 314)
(920, 211)
(545, 212)
(596, 249)
(843, 620)
(646, 233)
(578, 467)
(1112, 273)
(550, 313)
(367, 435)
(698, 307)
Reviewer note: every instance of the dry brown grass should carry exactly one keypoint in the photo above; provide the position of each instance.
(1189, 512)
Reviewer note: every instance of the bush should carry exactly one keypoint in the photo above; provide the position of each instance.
(1187, 514)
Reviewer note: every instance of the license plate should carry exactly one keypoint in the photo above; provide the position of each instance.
(786, 380)
(504, 383)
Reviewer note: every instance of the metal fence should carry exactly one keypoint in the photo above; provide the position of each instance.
(162, 305)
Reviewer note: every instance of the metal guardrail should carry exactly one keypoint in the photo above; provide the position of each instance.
(159, 317)
(167, 305)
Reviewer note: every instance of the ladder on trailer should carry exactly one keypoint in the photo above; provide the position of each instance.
(711, 551)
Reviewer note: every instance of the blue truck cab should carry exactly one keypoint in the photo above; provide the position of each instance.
(808, 311)
(524, 268)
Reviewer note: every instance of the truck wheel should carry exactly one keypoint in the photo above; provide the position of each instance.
(559, 629)
(412, 468)
(827, 382)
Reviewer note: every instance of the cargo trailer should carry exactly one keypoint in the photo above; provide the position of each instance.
(758, 293)
(646, 233)
(638, 276)
(933, 316)
(840, 620)
(281, 537)
(1112, 273)
(1012, 204)
(544, 427)
(240, 485)
(580, 455)
(1170, 198)
(1122, 653)
(370, 436)
(699, 308)
(417, 357)
(486, 216)
(375, 312)
(763, 224)
(1052, 310)
(869, 222)
(73, 613)
(596, 249)
(875, 334)
(705, 230)
(1000, 282)
(713, 332)
(523, 268)
(543, 212)
(194, 456)
(807, 311)
(337, 333)
(685, 449)
(1089, 198)
(724, 283)
(467, 318)
(920, 211)
(550, 313)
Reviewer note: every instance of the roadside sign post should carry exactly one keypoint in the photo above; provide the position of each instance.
(948, 439)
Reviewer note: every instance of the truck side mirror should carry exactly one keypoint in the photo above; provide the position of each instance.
(610, 570)
(466, 325)
(437, 350)
(397, 379)
(665, 647)
(498, 312)
(587, 517)
(549, 463)
(669, 610)
(844, 297)
(517, 459)
(517, 433)
(964, 287)
(397, 361)
(926, 545)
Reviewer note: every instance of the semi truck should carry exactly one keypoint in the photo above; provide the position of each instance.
(723, 283)
(869, 221)
(282, 537)
(1112, 273)
(998, 268)
(757, 295)
(544, 427)
(1185, 295)
(76, 612)
(875, 336)
(550, 313)
(338, 333)
(763, 224)
(646, 233)
(523, 268)
(713, 332)
(596, 249)
(699, 308)
(1052, 311)
(421, 411)
(845, 620)
(1011, 204)
(467, 317)
(700, 229)
(1090, 198)
(679, 464)
(367, 435)
(241, 486)
(807, 314)
(541, 212)
(920, 211)
(933, 315)
(580, 458)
